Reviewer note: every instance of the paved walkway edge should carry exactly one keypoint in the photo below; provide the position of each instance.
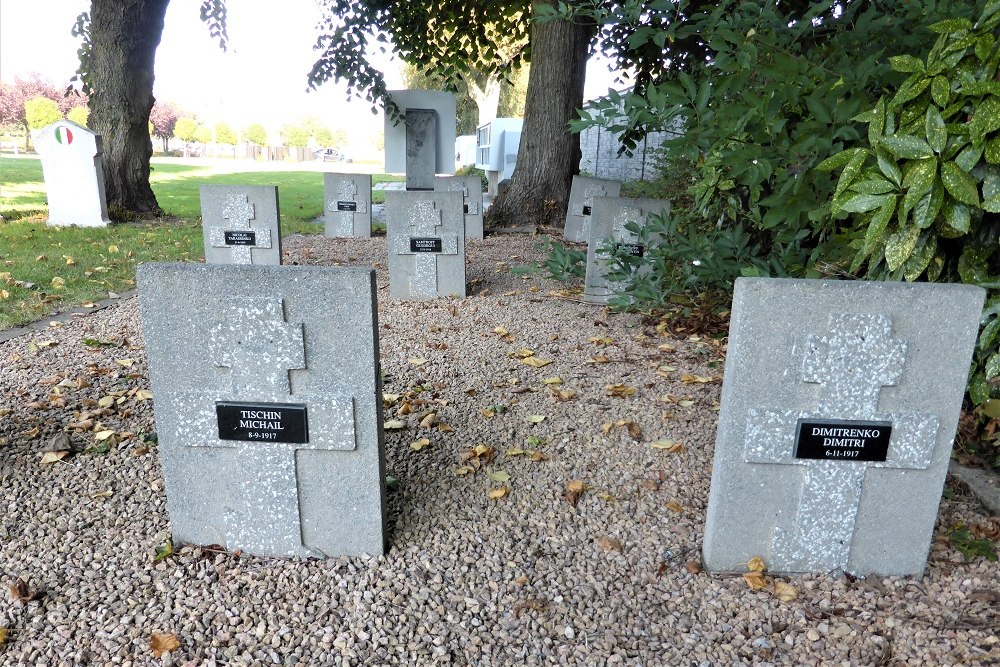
(63, 316)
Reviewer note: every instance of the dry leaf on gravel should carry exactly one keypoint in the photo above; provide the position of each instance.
(692, 566)
(609, 544)
(599, 359)
(420, 444)
(574, 490)
(756, 564)
(669, 446)
(393, 425)
(163, 643)
(497, 494)
(562, 395)
(523, 353)
(634, 431)
(537, 456)
(619, 390)
(22, 593)
(689, 378)
(499, 476)
(785, 591)
(3, 631)
(755, 580)
(428, 420)
(536, 419)
(107, 493)
(521, 605)
(52, 457)
(417, 361)
(536, 362)
(675, 507)
(553, 380)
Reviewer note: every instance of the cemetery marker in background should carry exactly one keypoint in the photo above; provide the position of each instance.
(348, 210)
(74, 175)
(839, 408)
(426, 239)
(581, 202)
(240, 224)
(268, 406)
(610, 219)
(471, 188)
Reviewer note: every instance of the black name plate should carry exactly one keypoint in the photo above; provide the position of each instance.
(347, 206)
(425, 245)
(633, 249)
(262, 422)
(586, 210)
(841, 440)
(241, 238)
(465, 209)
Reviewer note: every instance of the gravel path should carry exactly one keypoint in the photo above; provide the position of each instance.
(526, 579)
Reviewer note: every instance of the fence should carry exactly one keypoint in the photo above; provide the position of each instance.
(600, 158)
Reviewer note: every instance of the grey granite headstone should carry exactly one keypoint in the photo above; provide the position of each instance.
(268, 405)
(610, 221)
(400, 135)
(839, 409)
(426, 238)
(471, 188)
(348, 210)
(240, 224)
(581, 202)
(421, 148)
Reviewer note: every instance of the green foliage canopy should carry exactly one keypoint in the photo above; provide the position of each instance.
(41, 111)
(185, 129)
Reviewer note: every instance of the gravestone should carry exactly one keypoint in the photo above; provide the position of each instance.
(348, 209)
(422, 142)
(581, 202)
(471, 188)
(839, 408)
(609, 220)
(240, 224)
(74, 175)
(268, 406)
(426, 238)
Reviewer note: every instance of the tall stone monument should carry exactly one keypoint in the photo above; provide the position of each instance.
(240, 224)
(268, 405)
(421, 143)
(348, 210)
(621, 222)
(74, 175)
(839, 409)
(471, 187)
(426, 238)
(581, 202)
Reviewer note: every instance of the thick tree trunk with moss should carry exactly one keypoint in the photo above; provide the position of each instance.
(124, 35)
(548, 155)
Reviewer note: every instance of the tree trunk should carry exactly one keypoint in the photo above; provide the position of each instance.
(548, 155)
(487, 97)
(124, 35)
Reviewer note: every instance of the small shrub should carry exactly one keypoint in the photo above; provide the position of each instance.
(561, 262)
(469, 170)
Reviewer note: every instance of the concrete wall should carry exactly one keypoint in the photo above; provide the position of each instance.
(599, 148)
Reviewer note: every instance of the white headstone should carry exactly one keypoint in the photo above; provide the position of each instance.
(74, 176)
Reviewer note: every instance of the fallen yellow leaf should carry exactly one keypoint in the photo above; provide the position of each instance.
(756, 564)
(523, 353)
(428, 420)
(52, 457)
(464, 470)
(688, 378)
(535, 362)
(785, 591)
(497, 494)
(58, 283)
(394, 425)
(755, 580)
(163, 643)
(143, 395)
(69, 260)
(552, 380)
(418, 361)
(113, 248)
(536, 419)
(107, 493)
(574, 490)
(674, 506)
(420, 444)
(619, 390)
(669, 446)
(599, 359)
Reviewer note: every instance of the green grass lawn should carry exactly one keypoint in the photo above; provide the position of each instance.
(45, 269)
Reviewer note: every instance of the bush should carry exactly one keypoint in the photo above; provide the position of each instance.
(469, 170)
(923, 190)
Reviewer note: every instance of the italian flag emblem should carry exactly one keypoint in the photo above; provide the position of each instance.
(64, 136)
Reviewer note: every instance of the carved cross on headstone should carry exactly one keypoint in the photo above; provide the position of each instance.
(471, 206)
(425, 220)
(619, 227)
(584, 208)
(257, 348)
(852, 363)
(345, 206)
(239, 235)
